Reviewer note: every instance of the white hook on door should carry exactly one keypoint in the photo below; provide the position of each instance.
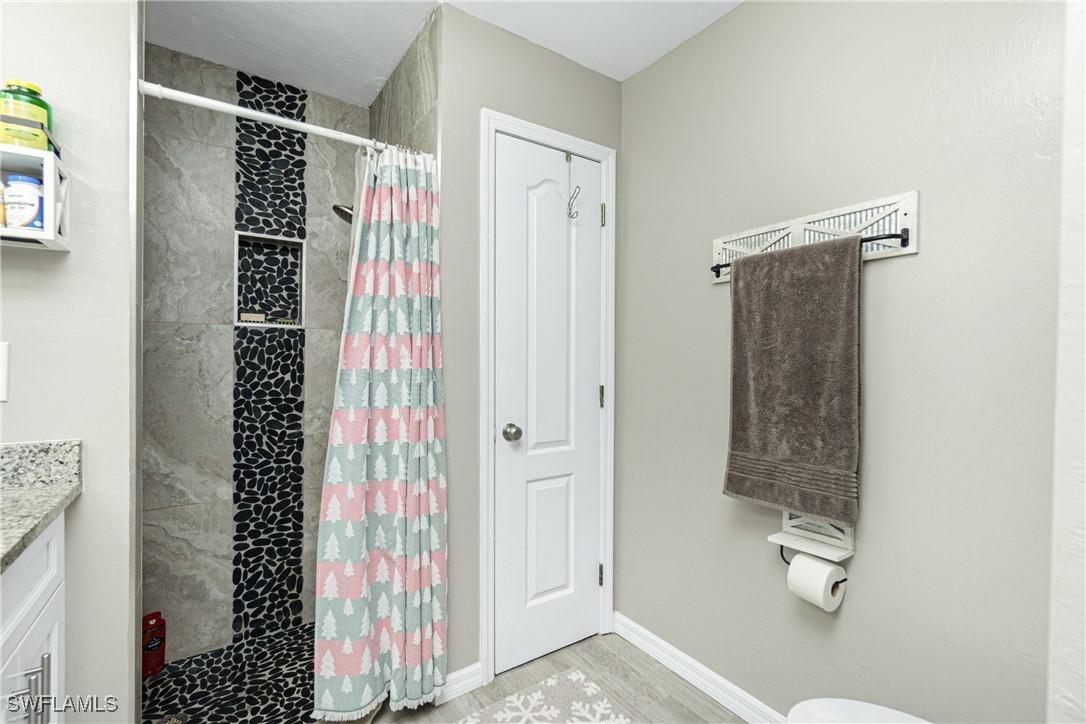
(572, 199)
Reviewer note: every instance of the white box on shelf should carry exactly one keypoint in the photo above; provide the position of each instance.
(49, 168)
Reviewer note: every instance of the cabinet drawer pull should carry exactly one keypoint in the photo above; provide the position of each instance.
(24, 696)
(39, 684)
(33, 682)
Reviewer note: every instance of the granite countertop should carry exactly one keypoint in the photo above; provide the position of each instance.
(37, 482)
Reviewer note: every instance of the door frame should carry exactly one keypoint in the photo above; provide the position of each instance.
(491, 124)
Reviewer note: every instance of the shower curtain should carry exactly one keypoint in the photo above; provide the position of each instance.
(380, 609)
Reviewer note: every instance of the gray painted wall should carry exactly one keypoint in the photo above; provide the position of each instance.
(485, 67)
(778, 110)
(188, 341)
(405, 111)
(71, 321)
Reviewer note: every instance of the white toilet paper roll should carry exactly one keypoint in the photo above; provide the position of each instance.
(816, 581)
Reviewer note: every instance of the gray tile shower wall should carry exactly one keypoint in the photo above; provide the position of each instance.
(187, 407)
(188, 455)
(188, 196)
(330, 179)
(188, 355)
(405, 111)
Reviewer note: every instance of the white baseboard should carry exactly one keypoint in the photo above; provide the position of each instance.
(697, 674)
(460, 682)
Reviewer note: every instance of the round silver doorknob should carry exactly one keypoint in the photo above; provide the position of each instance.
(511, 432)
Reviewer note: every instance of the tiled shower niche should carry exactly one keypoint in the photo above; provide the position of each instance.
(268, 280)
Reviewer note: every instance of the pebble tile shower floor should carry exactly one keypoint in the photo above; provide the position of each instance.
(262, 680)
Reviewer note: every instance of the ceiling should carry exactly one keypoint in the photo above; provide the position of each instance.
(348, 49)
(343, 49)
(617, 39)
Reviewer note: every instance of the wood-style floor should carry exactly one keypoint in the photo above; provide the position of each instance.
(648, 690)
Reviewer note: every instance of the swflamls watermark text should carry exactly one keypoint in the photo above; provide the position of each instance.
(91, 704)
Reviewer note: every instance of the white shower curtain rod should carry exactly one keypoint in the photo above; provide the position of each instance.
(159, 91)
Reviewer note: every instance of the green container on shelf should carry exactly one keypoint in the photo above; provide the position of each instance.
(22, 99)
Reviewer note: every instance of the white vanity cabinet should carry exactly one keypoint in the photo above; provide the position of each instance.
(32, 638)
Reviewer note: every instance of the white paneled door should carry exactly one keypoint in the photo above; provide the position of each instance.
(549, 332)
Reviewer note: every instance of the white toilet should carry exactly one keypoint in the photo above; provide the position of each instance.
(847, 711)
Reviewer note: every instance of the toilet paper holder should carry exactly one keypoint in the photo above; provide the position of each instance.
(788, 563)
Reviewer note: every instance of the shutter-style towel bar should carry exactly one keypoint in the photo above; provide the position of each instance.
(904, 236)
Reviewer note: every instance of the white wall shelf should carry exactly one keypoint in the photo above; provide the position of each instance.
(48, 167)
(813, 547)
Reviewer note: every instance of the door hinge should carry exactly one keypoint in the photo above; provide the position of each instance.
(569, 157)
(601, 574)
(601, 396)
(603, 214)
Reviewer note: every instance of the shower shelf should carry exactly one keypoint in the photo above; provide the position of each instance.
(269, 281)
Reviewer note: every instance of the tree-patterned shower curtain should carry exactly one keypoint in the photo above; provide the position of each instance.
(380, 610)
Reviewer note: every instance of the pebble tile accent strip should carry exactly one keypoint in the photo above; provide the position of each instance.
(268, 364)
(268, 443)
(270, 174)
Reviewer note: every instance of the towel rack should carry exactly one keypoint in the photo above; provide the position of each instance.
(903, 236)
(887, 225)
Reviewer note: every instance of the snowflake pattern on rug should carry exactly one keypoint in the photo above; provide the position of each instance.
(566, 697)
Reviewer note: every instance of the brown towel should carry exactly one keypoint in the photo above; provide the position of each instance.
(795, 432)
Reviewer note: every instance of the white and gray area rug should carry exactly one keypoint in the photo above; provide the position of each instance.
(569, 696)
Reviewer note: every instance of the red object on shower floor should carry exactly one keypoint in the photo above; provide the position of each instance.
(154, 643)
